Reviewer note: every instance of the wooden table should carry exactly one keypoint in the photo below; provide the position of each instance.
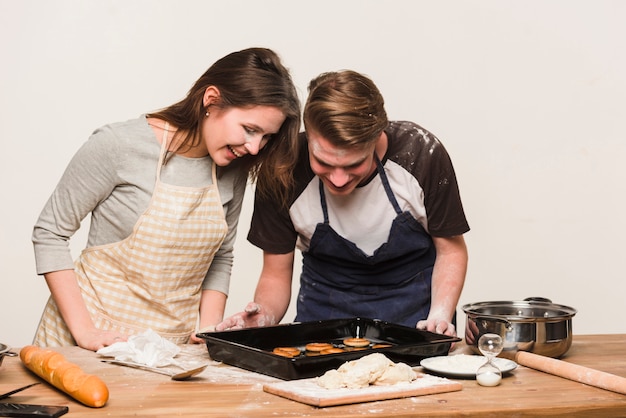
(225, 391)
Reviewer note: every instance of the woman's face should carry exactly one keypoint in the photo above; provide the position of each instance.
(234, 132)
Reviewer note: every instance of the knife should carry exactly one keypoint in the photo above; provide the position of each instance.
(6, 395)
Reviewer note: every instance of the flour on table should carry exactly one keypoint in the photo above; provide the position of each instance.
(374, 369)
(218, 372)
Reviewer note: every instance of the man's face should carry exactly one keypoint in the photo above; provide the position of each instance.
(341, 169)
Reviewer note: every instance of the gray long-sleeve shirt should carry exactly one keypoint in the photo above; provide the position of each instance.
(113, 176)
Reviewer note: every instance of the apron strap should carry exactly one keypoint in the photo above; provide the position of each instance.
(214, 173)
(164, 145)
(385, 181)
(163, 152)
(323, 200)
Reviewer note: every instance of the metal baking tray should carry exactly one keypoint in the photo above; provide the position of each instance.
(251, 348)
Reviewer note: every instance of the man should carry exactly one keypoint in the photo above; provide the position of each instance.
(376, 212)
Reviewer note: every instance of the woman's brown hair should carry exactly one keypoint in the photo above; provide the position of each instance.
(251, 77)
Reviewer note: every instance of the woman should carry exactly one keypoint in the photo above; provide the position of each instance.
(165, 193)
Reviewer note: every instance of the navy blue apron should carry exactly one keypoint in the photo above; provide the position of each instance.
(340, 281)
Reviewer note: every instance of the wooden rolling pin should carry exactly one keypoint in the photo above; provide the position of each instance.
(573, 372)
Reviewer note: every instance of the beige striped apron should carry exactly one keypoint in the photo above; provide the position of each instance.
(153, 278)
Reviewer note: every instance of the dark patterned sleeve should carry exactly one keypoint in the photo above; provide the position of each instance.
(444, 208)
(425, 157)
(271, 228)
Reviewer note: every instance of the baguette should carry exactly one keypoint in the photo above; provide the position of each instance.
(66, 376)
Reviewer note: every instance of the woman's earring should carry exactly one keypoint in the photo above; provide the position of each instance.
(207, 113)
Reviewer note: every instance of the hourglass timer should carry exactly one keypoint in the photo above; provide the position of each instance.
(490, 345)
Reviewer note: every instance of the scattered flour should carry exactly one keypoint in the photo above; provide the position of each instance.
(311, 389)
(218, 372)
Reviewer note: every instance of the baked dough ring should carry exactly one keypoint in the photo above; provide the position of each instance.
(318, 347)
(381, 345)
(287, 351)
(356, 342)
(332, 350)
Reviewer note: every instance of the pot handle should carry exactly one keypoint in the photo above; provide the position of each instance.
(476, 326)
(537, 299)
(506, 323)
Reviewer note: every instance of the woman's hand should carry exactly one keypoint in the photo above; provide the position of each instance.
(95, 339)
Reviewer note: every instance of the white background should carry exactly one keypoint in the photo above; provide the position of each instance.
(527, 96)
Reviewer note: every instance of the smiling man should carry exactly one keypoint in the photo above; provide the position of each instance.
(376, 212)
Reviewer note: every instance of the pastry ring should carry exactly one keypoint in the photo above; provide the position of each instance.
(317, 347)
(287, 351)
(356, 342)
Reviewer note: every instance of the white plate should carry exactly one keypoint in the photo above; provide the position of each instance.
(463, 365)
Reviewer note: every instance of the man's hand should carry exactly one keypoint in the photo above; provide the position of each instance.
(252, 316)
(439, 326)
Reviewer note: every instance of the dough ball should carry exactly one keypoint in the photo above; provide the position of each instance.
(396, 373)
(332, 379)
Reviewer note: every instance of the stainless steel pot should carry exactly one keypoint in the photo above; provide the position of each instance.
(535, 325)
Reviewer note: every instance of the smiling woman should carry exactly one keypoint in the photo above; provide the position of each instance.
(170, 180)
